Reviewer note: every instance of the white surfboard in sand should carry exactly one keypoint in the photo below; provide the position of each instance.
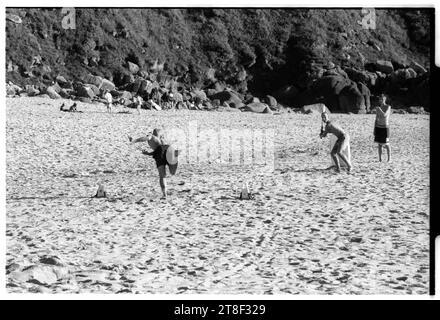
(346, 152)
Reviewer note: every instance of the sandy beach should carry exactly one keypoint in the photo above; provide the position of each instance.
(308, 230)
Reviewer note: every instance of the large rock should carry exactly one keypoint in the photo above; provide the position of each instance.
(135, 86)
(416, 110)
(94, 89)
(90, 78)
(316, 108)
(257, 107)
(106, 85)
(12, 89)
(132, 67)
(31, 91)
(418, 68)
(368, 78)
(402, 75)
(384, 66)
(329, 86)
(66, 93)
(199, 94)
(271, 101)
(177, 97)
(145, 88)
(286, 93)
(229, 97)
(85, 91)
(100, 82)
(351, 100)
(63, 82)
(52, 93)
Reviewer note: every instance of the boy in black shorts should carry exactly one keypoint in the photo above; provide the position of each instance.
(159, 154)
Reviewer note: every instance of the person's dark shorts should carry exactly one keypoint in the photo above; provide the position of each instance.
(160, 155)
(381, 135)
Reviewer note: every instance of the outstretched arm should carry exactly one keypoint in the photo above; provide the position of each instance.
(147, 153)
(141, 139)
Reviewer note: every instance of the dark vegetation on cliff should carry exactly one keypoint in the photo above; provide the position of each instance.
(255, 51)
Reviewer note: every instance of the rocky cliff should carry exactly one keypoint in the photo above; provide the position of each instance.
(299, 56)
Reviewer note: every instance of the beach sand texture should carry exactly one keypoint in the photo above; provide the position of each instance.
(308, 230)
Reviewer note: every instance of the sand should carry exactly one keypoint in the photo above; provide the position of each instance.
(308, 230)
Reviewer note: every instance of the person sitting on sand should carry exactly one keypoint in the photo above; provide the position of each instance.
(73, 108)
(382, 127)
(341, 143)
(109, 100)
(156, 141)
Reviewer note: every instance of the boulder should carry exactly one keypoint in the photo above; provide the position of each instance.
(228, 97)
(412, 73)
(200, 94)
(85, 91)
(52, 93)
(135, 86)
(145, 88)
(85, 100)
(286, 93)
(219, 86)
(368, 78)
(351, 100)
(329, 86)
(63, 82)
(106, 85)
(402, 75)
(66, 93)
(418, 67)
(89, 78)
(384, 66)
(271, 101)
(257, 107)
(56, 87)
(132, 67)
(126, 95)
(31, 91)
(177, 97)
(94, 89)
(210, 92)
(316, 108)
(416, 110)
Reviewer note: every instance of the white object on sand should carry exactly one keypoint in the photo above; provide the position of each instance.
(346, 152)
(244, 195)
(172, 155)
(101, 193)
